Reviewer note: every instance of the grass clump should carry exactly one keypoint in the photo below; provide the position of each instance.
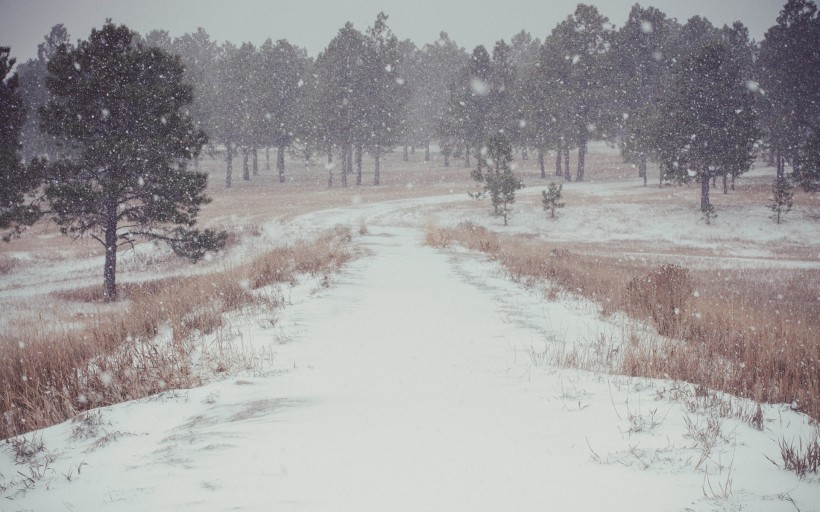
(739, 331)
(50, 373)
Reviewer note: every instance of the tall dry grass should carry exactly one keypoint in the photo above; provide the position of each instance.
(751, 333)
(51, 373)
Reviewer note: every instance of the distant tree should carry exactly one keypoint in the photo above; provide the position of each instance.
(551, 198)
(548, 109)
(385, 94)
(782, 197)
(499, 181)
(789, 74)
(468, 110)
(120, 106)
(584, 41)
(523, 56)
(16, 179)
(642, 54)
(32, 75)
(502, 95)
(199, 55)
(428, 108)
(341, 95)
(707, 122)
(159, 39)
(281, 79)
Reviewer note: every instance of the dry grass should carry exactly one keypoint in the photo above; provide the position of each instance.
(49, 373)
(744, 332)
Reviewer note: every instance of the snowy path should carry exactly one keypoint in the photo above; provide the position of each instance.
(404, 387)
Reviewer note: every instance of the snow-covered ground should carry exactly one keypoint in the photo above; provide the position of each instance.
(413, 383)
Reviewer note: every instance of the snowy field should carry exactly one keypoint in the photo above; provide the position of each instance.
(413, 381)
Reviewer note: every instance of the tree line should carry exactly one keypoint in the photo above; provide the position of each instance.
(369, 92)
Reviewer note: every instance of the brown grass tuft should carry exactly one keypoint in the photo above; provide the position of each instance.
(51, 373)
(744, 332)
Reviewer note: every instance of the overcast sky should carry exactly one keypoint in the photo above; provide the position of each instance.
(313, 23)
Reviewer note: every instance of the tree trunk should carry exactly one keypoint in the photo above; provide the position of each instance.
(345, 160)
(582, 153)
(246, 172)
(359, 164)
(377, 165)
(405, 157)
(229, 163)
(567, 173)
(725, 183)
(781, 169)
(280, 163)
(110, 270)
(447, 159)
(267, 159)
(255, 162)
(558, 171)
(704, 191)
(329, 154)
(467, 157)
(734, 176)
(427, 152)
(350, 159)
(541, 163)
(642, 168)
(525, 155)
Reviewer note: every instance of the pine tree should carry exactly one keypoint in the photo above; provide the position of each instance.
(642, 52)
(551, 198)
(281, 95)
(120, 106)
(781, 198)
(16, 179)
(32, 74)
(499, 181)
(707, 123)
(583, 40)
(789, 71)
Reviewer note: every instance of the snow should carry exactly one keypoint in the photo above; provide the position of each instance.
(408, 385)
(418, 381)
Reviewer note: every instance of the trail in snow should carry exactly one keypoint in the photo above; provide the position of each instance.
(404, 387)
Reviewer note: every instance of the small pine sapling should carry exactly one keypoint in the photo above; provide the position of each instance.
(781, 198)
(552, 199)
(499, 181)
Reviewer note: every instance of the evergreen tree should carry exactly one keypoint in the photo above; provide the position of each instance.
(16, 179)
(548, 111)
(432, 99)
(281, 77)
(584, 40)
(33, 89)
(499, 181)
(119, 106)
(782, 196)
(384, 93)
(707, 122)
(468, 109)
(789, 74)
(199, 55)
(341, 94)
(523, 56)
(642, 51)
(551, 198)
